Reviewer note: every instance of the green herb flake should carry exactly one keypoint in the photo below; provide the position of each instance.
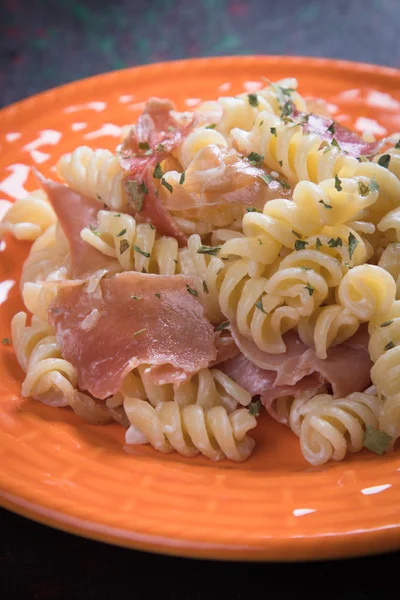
(140, 251)
(306, 268)
(152, 226)
(158, 172)
(143, 270)
(160, 148)
(256, 159)
(167, 185)
(211, 126)
(273, 131)
(335, 144)
(363, 189)
(375, 440)
(144, 146)
(117, 215)
(331, 129)
(338, 184)
(386, 323)
(211, 250)
(259, 305)
(353, 243)
(205, 287)
(123, 246)
(191, 291)
(384, 160)
(318, 244)
(300, 245)
(253, 100)
(335, 242)
(325, 205)
(280, 162)
(182, 179)
(297, 234)
(6, 341)
(373, 185)
(397, 146)
(252, 209)
(140, 331)
(135, 192)
(327, 149)
(389, 346)
(284, 184)
(136, 298)
(310, 289)
(259, 242)
(254, 408)
(158, 296)
(121, 233)
(266, 178)
(222, 326)
(287, 109)
(94, 230)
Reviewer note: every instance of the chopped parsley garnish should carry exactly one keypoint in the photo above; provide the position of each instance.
(152, 226)
(397, 146)
(363, 189)
(123, 246)
(389, 346)
(142, 252)
(375, 440)
(325, 205)
(94, 230)
(143, 270)
(182, 179)
(259, 242)
(306, 268)
(205, 287)
(160, 148)
(6, 341)
(318, 244)
(300, 244)
(374, 185)
(335, 242)
(253, 100)
(284, 184)
(335, 143)
(121, 233)
(331, 128)
(273, 131)
(158, 172)
(211, 250)
(327, 149)
(167, 185)
(266, 178)
(255, 158)
(158, 296)
(280, 162)
(259, 305)
(287, 109)
(211, 126)
(262, 122)
(222, 326)
(191, 291)
(144, 146)
(386, 323)
(140, 331)
(252, 209)
(338, 184)
(384, 160)
(117, 215)
(136, 298)
(309, 288)
(297, 234)
(254, 408)
(282, 93)
(353, 243)
(136, 193)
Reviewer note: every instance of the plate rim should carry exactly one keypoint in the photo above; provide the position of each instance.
(274, 549)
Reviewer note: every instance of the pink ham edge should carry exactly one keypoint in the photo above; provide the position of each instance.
(75, 212)
(156, 126)
(177, 340)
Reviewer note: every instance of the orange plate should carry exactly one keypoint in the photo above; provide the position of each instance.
(68, 474)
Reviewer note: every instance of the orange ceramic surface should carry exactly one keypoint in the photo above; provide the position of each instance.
(58, 470)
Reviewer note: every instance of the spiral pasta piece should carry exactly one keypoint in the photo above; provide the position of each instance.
(290, 151)
(389, 189)
(331, 428)
(367, 291)
(192, 428)
(198, 139)
(48, 255)
(390, 261)
(28, 217)
(96, 174)
(134, 246)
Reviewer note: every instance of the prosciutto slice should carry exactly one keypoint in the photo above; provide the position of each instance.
(328, 129)
(346, 368)
(159, 130)
(75, 212)
(132, 319)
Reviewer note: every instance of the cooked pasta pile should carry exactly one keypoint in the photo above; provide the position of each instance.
(278, 228)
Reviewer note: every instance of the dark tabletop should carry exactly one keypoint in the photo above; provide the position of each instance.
(44, 43)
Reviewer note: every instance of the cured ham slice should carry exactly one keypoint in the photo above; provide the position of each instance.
(132, 319)
(346, 368)
(75, 212)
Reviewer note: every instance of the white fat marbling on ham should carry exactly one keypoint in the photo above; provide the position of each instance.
(75, 212)
(166, 329)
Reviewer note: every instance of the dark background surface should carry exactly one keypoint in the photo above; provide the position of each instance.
(44, 43)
